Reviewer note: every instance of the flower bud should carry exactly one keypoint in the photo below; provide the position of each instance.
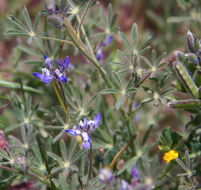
(3, 142)
(50, 5)
(101, 150)
(180, 56)
(191, 41)
(56, 20)
(192, 58)
(120, 164)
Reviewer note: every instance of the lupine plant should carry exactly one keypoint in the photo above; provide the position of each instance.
(92, 106)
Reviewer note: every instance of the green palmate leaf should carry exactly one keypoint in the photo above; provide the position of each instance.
(18, 23)
(56, 169)
(72, 149)
(125, 40)
(134, 34)
(192, 103)
(78, 155)
(27, 19)
(63, 182)
(118, 80)
(14, 85)
(145, 42)
(37, 153)
(131, 90)
(36, 21)
(111, 16)
(12, 127)
(13, 32)
(110, 91)
(120, 101)
(186, 79)
(59, 136)
(55, 157)
(28, 50)
(63, 150)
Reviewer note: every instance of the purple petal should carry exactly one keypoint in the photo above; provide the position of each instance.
(86, 145)
(45, 57)
(49, 62)
(108, 40)
(86, 121)
(135, 173)
(99, 55)
(97, 119)
(85, 136)
(73, 132)
(60, 76)
(63, 79)
(66, 62)
(59, 61)
(47, 79)
(37, 75)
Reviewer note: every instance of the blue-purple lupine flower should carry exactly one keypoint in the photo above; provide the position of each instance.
(99, 54)
(60, 76)
(84, 129)
(48, 62)
(124, 185)
(46, 76)
(50, 73)
(108, 40)
(135, 174)
(63, 64)
(106, 176)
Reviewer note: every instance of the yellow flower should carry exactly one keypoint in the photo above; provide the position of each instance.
(170, 155)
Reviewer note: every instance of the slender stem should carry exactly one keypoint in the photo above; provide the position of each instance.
(83, 16)
(90, 162)
(86, 38)
(78, 43)
(56, 39)
(63, 94)
(59, 97)
(120, 153)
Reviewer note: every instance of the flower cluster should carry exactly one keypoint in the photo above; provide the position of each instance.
(170, 155)
(106, 42)
(106, 177)
(135, 175)
(84, 129)
(49, 72)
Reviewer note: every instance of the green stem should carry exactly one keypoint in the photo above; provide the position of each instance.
(83, 16)
(63, 94)
(59, 97)
(56, 39)
(78, 43)
(85, 37)
(90, 162)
